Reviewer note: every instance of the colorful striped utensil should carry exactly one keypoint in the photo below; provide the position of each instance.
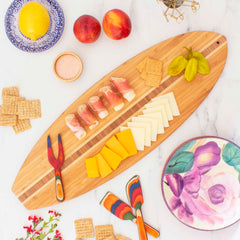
(57, 164)
(135, 197)
(123, 211)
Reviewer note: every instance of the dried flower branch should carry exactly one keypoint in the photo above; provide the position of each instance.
(41, 229)
(173, 11)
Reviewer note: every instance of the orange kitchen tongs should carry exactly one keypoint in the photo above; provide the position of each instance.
(57, 164)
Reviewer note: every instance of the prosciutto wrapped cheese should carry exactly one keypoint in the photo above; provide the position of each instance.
(122, 85)
(75, 126)
(88, 118)
(112, 97)
(97, 106)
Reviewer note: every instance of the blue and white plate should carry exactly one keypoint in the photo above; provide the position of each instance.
(45, 42)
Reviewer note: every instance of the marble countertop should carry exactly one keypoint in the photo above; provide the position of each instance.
(218, 115)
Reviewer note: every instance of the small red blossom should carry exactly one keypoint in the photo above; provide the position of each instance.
(29, 229)
(34, 219)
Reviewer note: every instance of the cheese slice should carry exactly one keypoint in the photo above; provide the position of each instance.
(158, 109)
(148, 131)
(162, 101)
(152, 121)
(138, 136)
(111, 157)
(172, 102)
(92, 167)
(104, 168)
(158, 117)
(117, 147)
(125, 137)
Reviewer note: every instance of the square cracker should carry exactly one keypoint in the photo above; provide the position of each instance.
(153, 80)
(154, 66)
(103, 231)
(9, 109)
(84, 228)
(22, 125)
(7, 120)
(110, 238)
(142, 65)
(120, 237)
(10, 100)
(29, 109)
(11, 91)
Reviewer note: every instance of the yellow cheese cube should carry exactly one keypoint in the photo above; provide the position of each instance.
(126, 139)
(92, 167)
(104, 168)
(117, 147)
(111, 157)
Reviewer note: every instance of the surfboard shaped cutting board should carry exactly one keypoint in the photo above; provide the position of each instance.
(35, 183)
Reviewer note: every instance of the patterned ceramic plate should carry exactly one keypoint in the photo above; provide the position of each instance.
(201, 183)
(45, 42)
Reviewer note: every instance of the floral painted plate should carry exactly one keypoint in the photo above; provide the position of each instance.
(45, 42)
(201, 183)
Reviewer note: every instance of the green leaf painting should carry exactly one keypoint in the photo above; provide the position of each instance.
(180, 162)
(186, 146)
(237, 168)
(231, 154)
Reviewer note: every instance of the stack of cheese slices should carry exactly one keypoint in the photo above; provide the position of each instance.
(155, 117)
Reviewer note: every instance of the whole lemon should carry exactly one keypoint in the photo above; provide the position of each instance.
(34, 20)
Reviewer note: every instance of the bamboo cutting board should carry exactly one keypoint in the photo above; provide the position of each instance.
(34, 185)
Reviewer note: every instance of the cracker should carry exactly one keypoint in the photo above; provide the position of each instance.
(154, 66)
(29, 109)
(22, 125)
(103, 231)
(9, 109)
(141, 66)
(120, 237)
(7, 120)
(11, 91)
(84, 228)
(10, 100)
(110, 238)
(153, 80)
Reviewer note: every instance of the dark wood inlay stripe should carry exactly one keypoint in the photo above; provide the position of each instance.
(50, 176)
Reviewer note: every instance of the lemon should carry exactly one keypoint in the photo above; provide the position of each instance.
(34, 20)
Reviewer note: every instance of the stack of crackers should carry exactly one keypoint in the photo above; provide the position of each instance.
(151, 71)
(84, 229)
(16, 111)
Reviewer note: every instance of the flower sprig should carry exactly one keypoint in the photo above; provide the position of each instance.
(41, 229)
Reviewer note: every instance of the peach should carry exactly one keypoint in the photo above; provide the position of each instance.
(116, 24)
(87, 29)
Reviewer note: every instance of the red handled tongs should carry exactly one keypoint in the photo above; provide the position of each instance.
(57, 164)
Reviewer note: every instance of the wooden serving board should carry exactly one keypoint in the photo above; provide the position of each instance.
(34, 184)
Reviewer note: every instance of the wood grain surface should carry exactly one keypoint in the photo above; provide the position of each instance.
(34, 184)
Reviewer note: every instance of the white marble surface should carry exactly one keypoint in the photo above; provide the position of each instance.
(218, 115)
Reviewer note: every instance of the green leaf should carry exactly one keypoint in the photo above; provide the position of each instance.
(231, 154)
(186, 146)
(239, 177)
(237, 168)
(180, 163)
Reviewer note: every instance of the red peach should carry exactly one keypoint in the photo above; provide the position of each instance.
(116, 24)
(87, 29)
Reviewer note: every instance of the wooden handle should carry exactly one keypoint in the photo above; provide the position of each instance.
(59, 187)
(149, 229)
(141, 228)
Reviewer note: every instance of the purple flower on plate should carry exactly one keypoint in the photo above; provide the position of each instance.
(217, 193)
(191, 181)
(175, 183)
(207, 156)
(175, 203)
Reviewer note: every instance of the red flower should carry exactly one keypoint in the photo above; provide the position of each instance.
(34, 219)
(29, 229)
